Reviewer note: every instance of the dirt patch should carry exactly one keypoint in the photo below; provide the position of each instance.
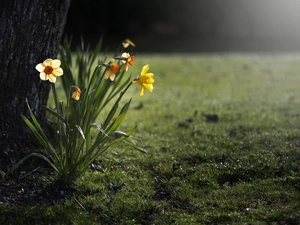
(31, 184)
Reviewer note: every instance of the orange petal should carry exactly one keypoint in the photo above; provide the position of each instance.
(114, 68)
(131, 61)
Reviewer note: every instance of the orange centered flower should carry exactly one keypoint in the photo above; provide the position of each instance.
(112, 69)
(128, 59)
(49, 69)
(76, 93)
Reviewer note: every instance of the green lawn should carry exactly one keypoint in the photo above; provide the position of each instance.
(241, 169)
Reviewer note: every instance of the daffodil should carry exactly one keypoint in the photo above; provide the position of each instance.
(145, 80)
(127, 42)
(76, 93)
(49, 69)
(112, 69)
(127, 59)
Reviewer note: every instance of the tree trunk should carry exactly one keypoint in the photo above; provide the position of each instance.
(30, 32)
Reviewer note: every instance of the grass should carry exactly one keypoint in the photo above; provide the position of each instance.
(241, 169)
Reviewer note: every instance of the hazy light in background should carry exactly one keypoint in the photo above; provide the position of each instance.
(277, 21)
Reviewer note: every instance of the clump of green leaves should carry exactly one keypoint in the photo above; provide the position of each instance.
(76, 140)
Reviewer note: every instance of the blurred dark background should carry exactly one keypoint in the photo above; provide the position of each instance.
(189, 25)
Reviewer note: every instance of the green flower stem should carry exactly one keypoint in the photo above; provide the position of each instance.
(53, 89)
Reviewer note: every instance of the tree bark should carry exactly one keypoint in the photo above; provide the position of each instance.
(30, 32)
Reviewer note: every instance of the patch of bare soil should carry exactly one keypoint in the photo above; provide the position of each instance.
(31, 184)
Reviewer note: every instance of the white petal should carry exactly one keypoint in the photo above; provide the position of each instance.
(58, 72)
(39, 67)
(56, 63)
(125, 55)
(47, 62)
(125, 66)
(52, 78)
(112, 76)
(43, 76)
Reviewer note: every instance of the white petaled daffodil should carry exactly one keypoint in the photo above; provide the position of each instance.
(112, 69)
(127, 59)
(50, 69)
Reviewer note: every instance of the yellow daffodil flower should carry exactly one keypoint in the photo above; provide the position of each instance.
(76, 93)
(112, 69)
(49, 69)
(127, 59)
(145, 80)
(127, 42)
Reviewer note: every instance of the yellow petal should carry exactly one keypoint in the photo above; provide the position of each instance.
(142, 91)
(151, 75)
(149, 87)
(145, 79)
(145, 69)
(151, 80)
